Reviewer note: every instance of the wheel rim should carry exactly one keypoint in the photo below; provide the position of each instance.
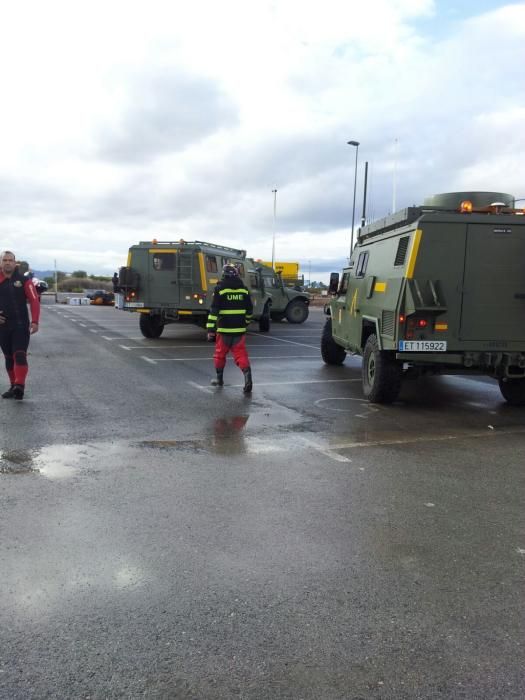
(296, 312)
(371, 370)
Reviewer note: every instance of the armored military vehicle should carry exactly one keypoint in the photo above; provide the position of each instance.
(436, 288)
(287, 303)
(169, 282)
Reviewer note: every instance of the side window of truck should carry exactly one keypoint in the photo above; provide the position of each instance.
(362, 263)
(343, 285)
(211, 263)
(254, 281)
(164, 261)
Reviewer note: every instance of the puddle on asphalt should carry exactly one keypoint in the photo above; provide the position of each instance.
(185, 445)
(52, 461)
(16, 462)
(224, 436)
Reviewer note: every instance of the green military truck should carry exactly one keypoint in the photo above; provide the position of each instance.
(437, 288)
(170, 282)
(287, 303)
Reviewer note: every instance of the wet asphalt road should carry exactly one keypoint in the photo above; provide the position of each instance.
(162, 539)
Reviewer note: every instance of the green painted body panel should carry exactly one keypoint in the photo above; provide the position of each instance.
(281, 294)
(176, 279)
(467, 285)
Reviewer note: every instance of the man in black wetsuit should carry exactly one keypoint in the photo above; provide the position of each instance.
(16, 291)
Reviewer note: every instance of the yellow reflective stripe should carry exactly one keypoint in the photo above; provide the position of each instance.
(233, 291)
(380, 287)
(211, 317)
(163, 250)
(231, 330)
(204, 279)
(413, 253)
(231, 312)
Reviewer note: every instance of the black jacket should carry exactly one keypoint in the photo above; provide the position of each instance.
(231, 309)
(13, 299)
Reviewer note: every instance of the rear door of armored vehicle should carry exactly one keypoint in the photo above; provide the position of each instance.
(163, 277)
(493, 303)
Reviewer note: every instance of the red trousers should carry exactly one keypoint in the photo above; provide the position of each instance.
(237, 344)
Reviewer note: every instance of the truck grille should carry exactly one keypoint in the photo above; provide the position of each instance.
(388, 323)
(402, 248)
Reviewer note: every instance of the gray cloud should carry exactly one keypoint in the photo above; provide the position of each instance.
(166, 112)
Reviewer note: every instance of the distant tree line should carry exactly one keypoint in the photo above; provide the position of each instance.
(79, 280)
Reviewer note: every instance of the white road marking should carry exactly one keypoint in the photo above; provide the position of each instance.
(252, 357)
(204, 346)
(107, 337)
(326, 451)
(83, 325)
(429, 438)
(340, 398)
(306, 381)
(94, 330)
(296, 335)
(304, 345)
(206, 389)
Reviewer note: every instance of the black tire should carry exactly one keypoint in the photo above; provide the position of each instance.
(381, 373)
(264, 321)
(331, 352)
(151, 326)
(513, 391)
(297, 311)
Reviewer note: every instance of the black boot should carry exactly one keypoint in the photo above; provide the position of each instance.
(18, 391)
(9, 393)
(218, 381)
(248, 384)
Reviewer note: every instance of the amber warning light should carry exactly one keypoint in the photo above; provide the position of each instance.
(465, 207)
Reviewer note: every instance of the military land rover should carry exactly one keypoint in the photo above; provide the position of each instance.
(437, 288)
(287, 303)
(169, 282)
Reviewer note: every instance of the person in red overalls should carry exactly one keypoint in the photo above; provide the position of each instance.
(15, 329)
(231, 312)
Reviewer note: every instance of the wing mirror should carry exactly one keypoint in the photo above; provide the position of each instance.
(334, 283)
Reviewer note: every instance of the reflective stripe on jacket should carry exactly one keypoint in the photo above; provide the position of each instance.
(231, 310)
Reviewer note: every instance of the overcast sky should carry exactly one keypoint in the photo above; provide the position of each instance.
(125, 121)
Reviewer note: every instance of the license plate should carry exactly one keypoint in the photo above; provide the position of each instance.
(134, 305)
(422, 345)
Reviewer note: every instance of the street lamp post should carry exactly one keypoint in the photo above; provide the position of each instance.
(356, 144)
(274, 226)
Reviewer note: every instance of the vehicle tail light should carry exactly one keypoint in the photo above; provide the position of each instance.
(414, 324)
